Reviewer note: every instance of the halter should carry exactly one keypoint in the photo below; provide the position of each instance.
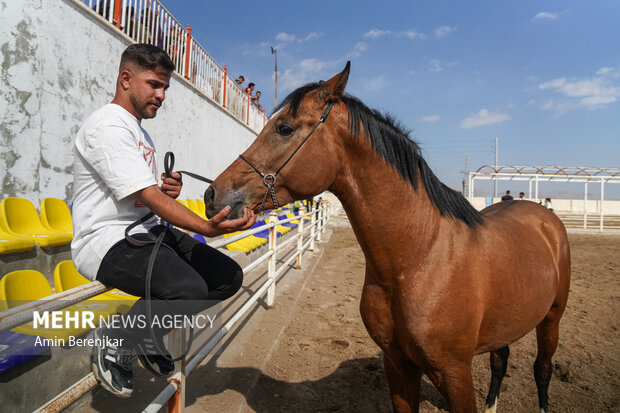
(269, 180)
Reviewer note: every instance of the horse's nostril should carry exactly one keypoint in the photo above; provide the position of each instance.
(209, 196)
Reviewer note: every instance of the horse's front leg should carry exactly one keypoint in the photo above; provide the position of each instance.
(404, 380)
(455, 383)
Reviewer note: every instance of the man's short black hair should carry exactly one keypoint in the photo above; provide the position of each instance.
(251, 84)
(241, 77)
(146, 56)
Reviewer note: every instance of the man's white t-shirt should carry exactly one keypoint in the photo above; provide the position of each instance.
(114, 157)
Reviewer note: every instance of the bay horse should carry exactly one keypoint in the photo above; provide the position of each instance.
(443, 281)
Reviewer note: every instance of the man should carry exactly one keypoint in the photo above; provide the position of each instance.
(521, 196)
(115, 184)
(256, 100)
(250, 88)
(507, 197)
(240, 80)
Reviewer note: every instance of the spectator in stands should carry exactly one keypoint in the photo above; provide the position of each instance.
(521, 196)
(115, 184)
(507, 197)
(548, 204)
(256, 98)
(250, 88)
(240, 80)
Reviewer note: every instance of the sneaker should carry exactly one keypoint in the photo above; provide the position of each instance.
(112, 367)
(159, 365)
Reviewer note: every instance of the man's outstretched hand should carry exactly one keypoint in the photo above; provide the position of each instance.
(220, 225)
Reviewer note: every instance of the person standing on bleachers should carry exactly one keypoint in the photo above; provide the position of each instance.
(115, 184)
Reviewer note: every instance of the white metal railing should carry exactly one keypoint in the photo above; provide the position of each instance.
(148, 21)
(174, 391)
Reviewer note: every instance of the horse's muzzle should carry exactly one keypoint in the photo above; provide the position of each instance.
(234, 197)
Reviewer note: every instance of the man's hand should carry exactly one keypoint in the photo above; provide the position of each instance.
(171, 185)
(220, 225)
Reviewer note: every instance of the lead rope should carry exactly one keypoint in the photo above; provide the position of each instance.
(157, 244)
(269, 180)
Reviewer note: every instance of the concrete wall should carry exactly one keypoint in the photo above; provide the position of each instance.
(59, 63)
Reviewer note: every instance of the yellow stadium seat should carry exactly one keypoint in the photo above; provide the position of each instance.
(246, 244)
(19, 287)
(55, 215)
(295, 221)
(66, 276)
(202, 208)
(19, 217)
(10, 243)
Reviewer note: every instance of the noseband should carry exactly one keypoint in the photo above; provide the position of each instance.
(269, 180)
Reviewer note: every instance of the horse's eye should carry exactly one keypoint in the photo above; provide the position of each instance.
(285, 129)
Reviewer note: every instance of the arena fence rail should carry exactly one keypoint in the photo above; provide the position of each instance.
(174, 393)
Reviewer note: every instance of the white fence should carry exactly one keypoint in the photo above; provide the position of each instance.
(148, 21)
(174, 393)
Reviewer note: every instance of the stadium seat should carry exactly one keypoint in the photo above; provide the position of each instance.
(19, 217)
(10, 243)
(18, 348)
(196, 208)
(295, 221)
(55, 215)
(290, 224)
(246, 244)
(202, 208)
(66, 276)
(19, 287)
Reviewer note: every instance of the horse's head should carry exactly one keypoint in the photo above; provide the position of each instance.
(312, 164)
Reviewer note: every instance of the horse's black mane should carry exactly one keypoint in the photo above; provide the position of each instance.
(391, 140)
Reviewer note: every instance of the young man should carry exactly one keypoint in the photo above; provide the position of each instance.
(507, 197)
(115, 184)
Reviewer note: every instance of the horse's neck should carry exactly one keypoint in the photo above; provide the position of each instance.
(385, 211)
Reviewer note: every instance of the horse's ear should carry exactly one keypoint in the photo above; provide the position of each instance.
(334, 87)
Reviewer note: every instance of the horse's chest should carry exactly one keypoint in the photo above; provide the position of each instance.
(376, 313)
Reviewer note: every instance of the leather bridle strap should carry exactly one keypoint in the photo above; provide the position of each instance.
(269, 180)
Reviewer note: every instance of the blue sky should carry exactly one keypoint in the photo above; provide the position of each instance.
(544, 77)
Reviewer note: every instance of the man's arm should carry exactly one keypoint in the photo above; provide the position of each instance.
(178, 215)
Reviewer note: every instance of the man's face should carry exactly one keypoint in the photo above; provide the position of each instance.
(147, 91)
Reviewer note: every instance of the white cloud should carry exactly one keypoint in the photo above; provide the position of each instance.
(436, 65)
(543, 15)
(376, 33)
(411, 34)
(484, 117)
(443, 31)
(357, 51)
(311, 36)
(590, 93)
(313, 65)
(429, 119)
(285, 37)
(376, 83)
(308, 70)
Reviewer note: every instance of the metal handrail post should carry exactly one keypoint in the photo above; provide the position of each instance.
(300, 240)
(312, 224)
(271, 267)
(176, 404)
(319, 221)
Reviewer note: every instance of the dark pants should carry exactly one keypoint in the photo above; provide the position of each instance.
(184, 281)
